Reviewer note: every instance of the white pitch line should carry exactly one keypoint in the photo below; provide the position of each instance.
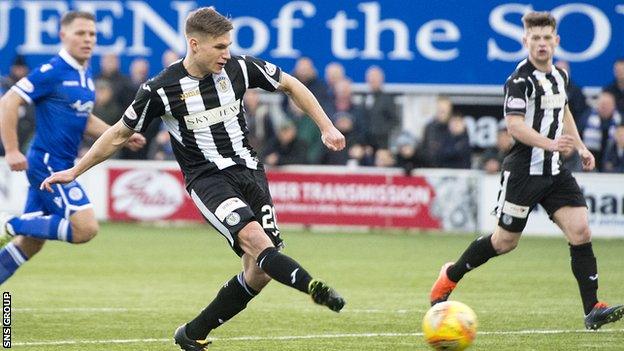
(304, 337)
(123, 309)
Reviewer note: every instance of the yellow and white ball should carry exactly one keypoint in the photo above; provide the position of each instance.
(450, 326)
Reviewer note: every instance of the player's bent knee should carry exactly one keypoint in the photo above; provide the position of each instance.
(581, 235)
(253, 240)
(504, 241)
(84, 232)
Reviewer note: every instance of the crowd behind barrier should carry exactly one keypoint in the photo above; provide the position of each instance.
(376, 128)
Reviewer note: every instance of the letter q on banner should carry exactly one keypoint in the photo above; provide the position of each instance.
(146, 194)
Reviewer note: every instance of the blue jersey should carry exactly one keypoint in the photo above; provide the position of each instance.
(63, 94)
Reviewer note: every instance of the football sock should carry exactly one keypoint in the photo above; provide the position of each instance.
(11, 257)
(479, 252)
(585, 271)
(52, 227)
(284, 269)
(231, 299)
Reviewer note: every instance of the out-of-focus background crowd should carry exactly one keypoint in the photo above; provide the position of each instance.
(372, 119)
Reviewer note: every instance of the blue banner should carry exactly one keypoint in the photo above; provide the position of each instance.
(415, 42)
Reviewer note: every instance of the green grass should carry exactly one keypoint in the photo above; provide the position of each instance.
(138, 282)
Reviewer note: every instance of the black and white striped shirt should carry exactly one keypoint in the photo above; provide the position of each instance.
(541, 98)
(205, 117)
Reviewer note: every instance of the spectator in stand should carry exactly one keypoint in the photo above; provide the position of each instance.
(18, 70)
(616, 88)
(106, 107)
(139, 74)
(26, 123)
(436, 131)
(576, 98)
(380, 113)
(492, 159)
(406, 155)
(334, 72)
(260, 121)
(307, 133)
(307, 74)
(600, 126)
(169, 57)
(161, 148)
(122, 86)
(456, 152)
(614, 156)
(348, 119)
(384, 158)
(287, 149)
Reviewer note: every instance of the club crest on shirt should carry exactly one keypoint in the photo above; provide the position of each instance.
(222, 84)
(75, 194)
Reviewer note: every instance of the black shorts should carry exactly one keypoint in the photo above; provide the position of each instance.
(233, 197)
(521, 192)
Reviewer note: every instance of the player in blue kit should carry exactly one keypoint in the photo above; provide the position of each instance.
(63, 93)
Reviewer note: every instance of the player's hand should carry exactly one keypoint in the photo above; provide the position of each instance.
(587, 159)
(564, 143)
(16, 160)
(63, 177)
(333, 139)
(136, 142)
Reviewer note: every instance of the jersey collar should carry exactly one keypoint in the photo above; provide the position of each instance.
(70, 60)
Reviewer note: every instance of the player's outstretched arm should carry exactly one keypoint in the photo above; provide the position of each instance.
(303, 97)
(569, 128)
(9, 115)
(96, 127)
(528, 136)
(112, 140)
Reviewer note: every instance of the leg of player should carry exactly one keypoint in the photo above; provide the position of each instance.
(479, 252)
(574, 224)
(16, 253)
(231, 299)
(81, 226)
(254, 241)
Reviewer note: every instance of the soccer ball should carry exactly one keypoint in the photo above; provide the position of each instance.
(450, 326)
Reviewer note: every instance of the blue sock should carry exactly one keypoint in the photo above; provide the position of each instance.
(11, 257)
(50, 227)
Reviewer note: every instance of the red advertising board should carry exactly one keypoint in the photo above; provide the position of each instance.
(299, 198)
(353, 199)
(148, 195)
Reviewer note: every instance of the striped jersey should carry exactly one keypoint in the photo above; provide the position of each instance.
(204, 116)
(541, 98)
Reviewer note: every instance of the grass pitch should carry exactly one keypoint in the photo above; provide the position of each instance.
(133, 285)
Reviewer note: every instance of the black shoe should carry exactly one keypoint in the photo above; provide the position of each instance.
(602, 314)
(186, 343)
(322, 294)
